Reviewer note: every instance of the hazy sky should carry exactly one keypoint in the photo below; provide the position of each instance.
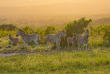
(42, 2)
(7, 7)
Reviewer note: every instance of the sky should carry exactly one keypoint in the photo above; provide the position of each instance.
(8, 3)
(7, 7)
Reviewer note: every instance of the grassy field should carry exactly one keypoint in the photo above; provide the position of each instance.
(94, 61)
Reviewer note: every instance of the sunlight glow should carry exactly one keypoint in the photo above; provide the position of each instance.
(30, 0)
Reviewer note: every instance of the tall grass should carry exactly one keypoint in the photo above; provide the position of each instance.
(67, 62)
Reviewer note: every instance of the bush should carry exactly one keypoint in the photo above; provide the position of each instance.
(8, 27)
(77, 26)
(50, 30)
(27, 30)
(101, 33)
(5, 33)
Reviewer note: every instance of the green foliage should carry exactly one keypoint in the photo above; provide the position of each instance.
(8, 27)
(27, 30)
(5, 33)
(50, 30)
(101, 33)
(77, 26)
(40, 32)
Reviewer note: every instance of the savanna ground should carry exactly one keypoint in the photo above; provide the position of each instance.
(21, 61)
(95, 60)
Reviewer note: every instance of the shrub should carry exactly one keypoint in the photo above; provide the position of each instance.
(101, 33)
(50, 30)
(27, 30)
(77, 26)
(5, 33)
(8, 27)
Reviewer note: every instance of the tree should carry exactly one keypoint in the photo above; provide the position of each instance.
(77, 26)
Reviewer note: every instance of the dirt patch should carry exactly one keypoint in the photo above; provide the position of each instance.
(14, 54)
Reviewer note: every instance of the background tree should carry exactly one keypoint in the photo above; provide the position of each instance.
(8, 27)
(77, 26)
